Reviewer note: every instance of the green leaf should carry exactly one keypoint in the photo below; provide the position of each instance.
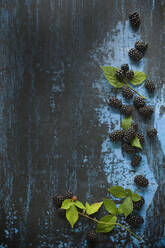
(120, 210)
(109, 72)
(138, 78)
(135, 197)
(136, 142)
(117, 191)
(127, 206)
(126, 123)
(129, 192)
(110, 206)
(79, 204)
(72, 215)
(104, 228)
(91, 209)
(67, 204)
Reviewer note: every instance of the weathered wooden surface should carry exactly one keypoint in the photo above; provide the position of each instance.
(54, 119)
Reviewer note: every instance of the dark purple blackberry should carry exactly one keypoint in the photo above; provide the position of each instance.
(146, 111)
(129, 75)
(151, 132)
(115, 102)
(125, 67)
(140, 137)
(126, 92)
(120, 75)
(134, 19)
(136, 160)
(141, 181)
(138, 102)
(58, 199)
(135, 126)
(134, 220)
(149, 85)
(141, 46)
(117, 135)
(69, 195)
(138, 205)
(92, 236)
(135, 55)
(129, 134)
(129, 149)
(61, 212)
(126, 110)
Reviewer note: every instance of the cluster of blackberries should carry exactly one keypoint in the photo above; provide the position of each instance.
(124, 73)
(144, 110)
(137, 53)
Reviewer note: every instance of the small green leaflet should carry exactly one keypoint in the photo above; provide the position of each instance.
(127, 206)
(136, 142)
(91, 209)
(67, 204)
(109, 73)
(139, 77)
(117, 191)
(135, 197)
(79, 204)
(72, 215)
(110, 220)
(126, 123)
(110, 206)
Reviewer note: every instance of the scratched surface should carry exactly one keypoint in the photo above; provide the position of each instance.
(54, 118)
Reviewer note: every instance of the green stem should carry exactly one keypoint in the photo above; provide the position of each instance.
(135, 91)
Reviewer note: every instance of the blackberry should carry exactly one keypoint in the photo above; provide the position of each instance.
(125, 67)
(146, 111)
(136, 160)
(68, 195)
(127, 93)
(138, 102)
(126, 110)
(134, 220)
(129, 75)
(115, 102)
(129, 149)
(134, 19)
(91, 236)
(120, 75)
(141, 46)
(58, 199)
(149, 85)
(117, 135)
(140, 137)
(135, 126)
(141, 181)
(138, 205)
(135, 55)
(130, 134)
(151, 132)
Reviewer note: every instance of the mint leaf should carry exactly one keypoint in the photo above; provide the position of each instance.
(136, 142)
(109, 73)
(110, 206)
(117, 191)
(91, 209)
(129, 192)
(135, 197)
(127, 206)
(138, 78)
(126, 123)
(72, 215)
(104, 228)
(79, 204)
(66, 204)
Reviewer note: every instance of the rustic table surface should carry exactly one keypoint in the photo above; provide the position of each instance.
(55, 121)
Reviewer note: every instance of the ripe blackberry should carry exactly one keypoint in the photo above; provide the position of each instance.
(129, 149)
(136, 160)
(135, 55)
(120, 75)
(127, 93)
(146, 111)
(135, 126)
(58, 199)
(141, 46)
(138, 102)
(151, 132)
(126, 110)
(134, 19)
(140, 137)
(141, 181)
(69, 195)
(134, 220)
(138, 205)
(149, 85)
(129, 75)
(92, 236)
(125, 67)
(115, 102)
(129, 134)
(117, 135)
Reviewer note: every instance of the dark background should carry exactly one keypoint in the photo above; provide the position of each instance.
(54, 119)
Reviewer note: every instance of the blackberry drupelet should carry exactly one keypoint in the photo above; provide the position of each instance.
(149, 85)
(146, 111)
(68, 195)
(129, 134)
(126, 92)
(140, 137)
(135, 55)
(135, 126)
(141, 181)
(129, 149)
(92, 236)
(141, 46)
(138, 205)
(151, 132)
(117, 135)
(115, 102)
(125, 67)
(134, 19)
(129, 75)
(126, 109)
(136, 160)
(58, 199)
(120, 75)
(138, 102)
(134, 220)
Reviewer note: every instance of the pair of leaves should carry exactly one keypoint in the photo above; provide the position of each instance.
(106, 224)
(110, 72)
